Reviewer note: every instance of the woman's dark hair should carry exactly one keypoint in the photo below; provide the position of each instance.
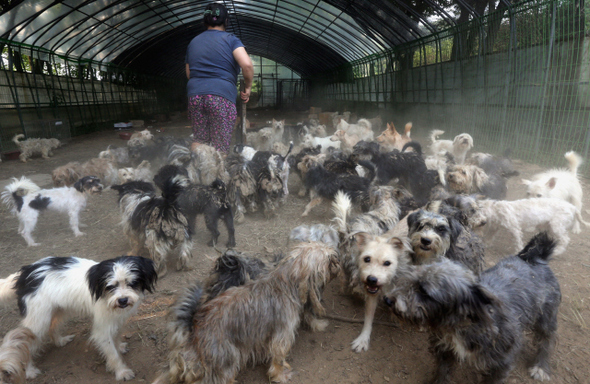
(215, 14)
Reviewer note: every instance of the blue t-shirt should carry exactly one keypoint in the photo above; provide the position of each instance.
(214, 71)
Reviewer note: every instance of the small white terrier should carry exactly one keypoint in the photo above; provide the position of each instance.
(559, 183)
(459, 147)
(558, 216)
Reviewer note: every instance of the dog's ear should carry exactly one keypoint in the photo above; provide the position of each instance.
(479, 177)
(456, 227)
(400, 244)
(413, 219)
(551, 183)
(79, 185)
(526, 182)
(146, 273)
(481, 298)
(362, 238)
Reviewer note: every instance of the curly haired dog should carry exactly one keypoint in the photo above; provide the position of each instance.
(140, 139)
(31, 147)
(142, 172)
(390, 138)
(204, 163)
(264, 139)
(482, 321)
(156, 222)
(470, 179)
(104, 169)
(255, 322)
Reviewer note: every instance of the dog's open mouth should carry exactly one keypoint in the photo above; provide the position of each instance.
(424, 247)
(372, 289)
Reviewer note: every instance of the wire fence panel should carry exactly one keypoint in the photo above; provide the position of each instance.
(518, 78)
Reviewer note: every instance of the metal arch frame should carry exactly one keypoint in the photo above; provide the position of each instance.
(103, 32)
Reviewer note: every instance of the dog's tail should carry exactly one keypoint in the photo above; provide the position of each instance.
(17, 137)
(435, 134)
(574, 160)
(14, 192)
(173, 186)
(369, 167)
(580, 219)
(15, 355)
(179, 155)
(408, 128)
(539, 249)
(341, 208)
(7, 289)
(414, 145)
(182, 363)
(365, 123)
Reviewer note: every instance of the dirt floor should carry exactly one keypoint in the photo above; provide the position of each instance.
(397, 354)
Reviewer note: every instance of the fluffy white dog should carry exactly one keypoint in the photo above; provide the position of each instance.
(459, 147)
(530, 215)
(362, 129)
(559, 183)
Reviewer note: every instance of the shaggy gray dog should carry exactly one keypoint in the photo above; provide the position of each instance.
(255, 322)
(483, 321)
(435, 236)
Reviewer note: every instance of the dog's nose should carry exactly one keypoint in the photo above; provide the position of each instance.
(387, 301)
(372, 280)
(425, 241)
(450, 176)
(123, 302)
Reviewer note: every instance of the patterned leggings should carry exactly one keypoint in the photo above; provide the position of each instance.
(213, 119)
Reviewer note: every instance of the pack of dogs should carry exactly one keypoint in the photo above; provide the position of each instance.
(407, 232)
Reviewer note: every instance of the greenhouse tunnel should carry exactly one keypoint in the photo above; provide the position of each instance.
(512, 73)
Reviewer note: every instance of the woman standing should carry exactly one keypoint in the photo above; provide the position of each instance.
(213, 62)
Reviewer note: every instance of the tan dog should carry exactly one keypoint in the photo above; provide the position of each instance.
(15, 355)
(390, 139)
(347, 141)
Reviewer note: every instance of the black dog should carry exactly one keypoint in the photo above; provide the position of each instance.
(483, 321)
(211, 201)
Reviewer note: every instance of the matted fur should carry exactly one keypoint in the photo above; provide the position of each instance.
(264, 139)
(140, 139)
(119, 155)
(483, 321)
(555, 215)
(105, 169)
(255, 322)
(156, 222)
(15, 355)
(470, 179)
(390, 138)
(204, 163)
(435, 236)
(30, 147)
(142, 172)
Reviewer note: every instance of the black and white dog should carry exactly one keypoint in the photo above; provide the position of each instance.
(483, 320)
(27, 200)
(55, 288)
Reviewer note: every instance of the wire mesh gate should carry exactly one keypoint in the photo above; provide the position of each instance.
(518, 78)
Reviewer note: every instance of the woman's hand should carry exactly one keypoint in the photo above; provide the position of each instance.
(245, 95)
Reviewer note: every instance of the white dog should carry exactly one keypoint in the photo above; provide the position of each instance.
(35, 146)
(559, 183)
(264, 139)
(362, 129)
(56, 288)
(325, 142)
(27, 201)
(458, 147)
(558, 216)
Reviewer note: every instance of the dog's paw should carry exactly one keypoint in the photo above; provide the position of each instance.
(124, 374)
(283, 377)
(302, 193)
(79, 233)
(63, 340)
(360, 344)
(318, 325)
(32, 371)
(538, 373)
(34, 244)
(123, 348)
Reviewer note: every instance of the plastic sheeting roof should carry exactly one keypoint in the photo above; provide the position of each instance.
(151, 36)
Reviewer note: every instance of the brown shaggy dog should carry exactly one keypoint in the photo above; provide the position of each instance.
(104, 169)
(390, 139)
(255, 322)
